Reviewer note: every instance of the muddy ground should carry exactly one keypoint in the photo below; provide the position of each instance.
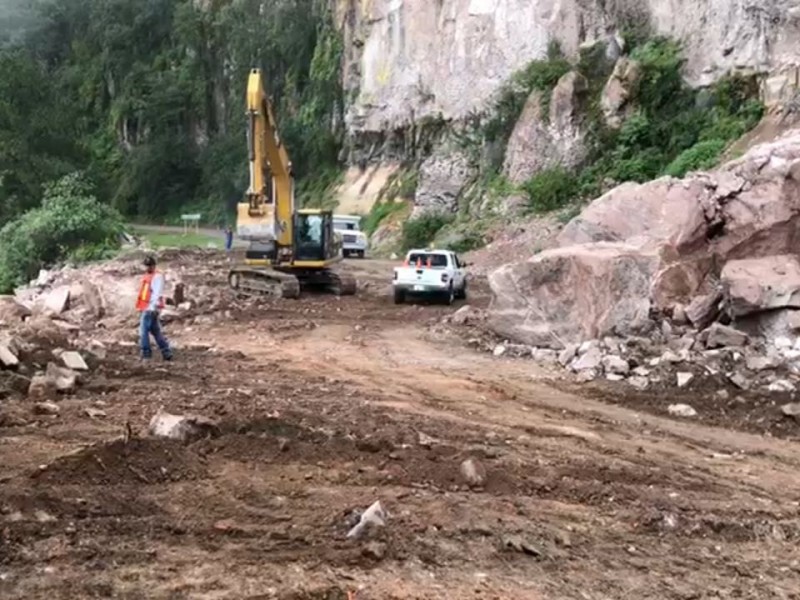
(326, 405)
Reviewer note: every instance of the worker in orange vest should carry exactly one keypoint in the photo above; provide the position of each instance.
(149, 303)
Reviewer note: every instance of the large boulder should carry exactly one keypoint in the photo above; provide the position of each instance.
(614, 101)
(674, 236)
(544, 140)
(574, 293)
(759, 284)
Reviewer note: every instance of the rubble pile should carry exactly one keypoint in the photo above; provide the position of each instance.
(712, 246)
(699, 274)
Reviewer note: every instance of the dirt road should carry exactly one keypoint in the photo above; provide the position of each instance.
(326, 405)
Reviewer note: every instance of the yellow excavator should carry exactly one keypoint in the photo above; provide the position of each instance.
(290, 249)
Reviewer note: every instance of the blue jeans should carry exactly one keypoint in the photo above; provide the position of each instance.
(149, 324)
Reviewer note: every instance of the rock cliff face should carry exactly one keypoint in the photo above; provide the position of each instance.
(410, 59)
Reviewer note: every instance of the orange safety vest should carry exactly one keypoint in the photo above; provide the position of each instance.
(145, 293)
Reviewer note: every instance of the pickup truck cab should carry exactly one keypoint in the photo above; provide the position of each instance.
(437, 273)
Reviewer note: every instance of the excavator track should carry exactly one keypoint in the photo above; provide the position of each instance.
(342, 284)
(264, 282)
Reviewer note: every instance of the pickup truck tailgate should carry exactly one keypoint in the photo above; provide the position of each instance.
(425, 277)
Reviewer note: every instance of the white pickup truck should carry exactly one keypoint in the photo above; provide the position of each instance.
(430, 273)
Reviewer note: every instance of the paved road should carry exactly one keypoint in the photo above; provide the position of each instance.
(210, 232)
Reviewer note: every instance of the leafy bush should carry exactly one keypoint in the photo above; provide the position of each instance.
(539, 75)
(702, 155)
(550, 189)
(419, 232)
(69, 224)
(470, 240)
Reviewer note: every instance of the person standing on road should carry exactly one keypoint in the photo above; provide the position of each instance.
(228, 238)
(149, 303)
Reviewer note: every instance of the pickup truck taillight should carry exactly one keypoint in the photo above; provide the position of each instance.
(444, 277)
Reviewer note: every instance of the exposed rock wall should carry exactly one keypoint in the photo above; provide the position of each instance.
(407, 59)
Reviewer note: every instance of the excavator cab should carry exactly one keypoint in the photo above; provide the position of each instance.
(314, 237)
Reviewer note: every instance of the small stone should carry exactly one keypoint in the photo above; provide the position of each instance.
(499, 350)
(473, 472)
(44, 517)
(722, 394)
(782, 342)
(545, 355)
(374, 516)
(638, 382)
(73, 360)
(616, 364)
(791, 410)
(41, 386)
(589, 360)
(588, 345)
(681, 410)
(425, 440)
(679, 314)
(666, 329)
(64, 379)
(615, 377)
(684, 379)
(95, 413)
(760, 363)
(586, 376)
(721, 336)
(46, 408)
(57, 301)
(567, 354)
(781, 385)
(374, 550)
(641, 371)
(669, 357)
(283, 444)
(7, 358)
(739, 380)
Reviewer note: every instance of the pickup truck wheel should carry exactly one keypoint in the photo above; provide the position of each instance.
(360, 254)
(462, 293)
(450, 296)
(346, 253)
(399, 296)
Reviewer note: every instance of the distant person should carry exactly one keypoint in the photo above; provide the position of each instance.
(228, 238)
(149, 303)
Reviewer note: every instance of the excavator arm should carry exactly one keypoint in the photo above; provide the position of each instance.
(267, 214)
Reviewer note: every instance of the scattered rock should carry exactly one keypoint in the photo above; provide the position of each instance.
(373, 517)
(73, 360)
(374, 550)
(638, 382)
(499, 350)
(181, 427)
(720, 336)
(41, 386)
(473, 472)
(425, 440)
(567, 354)
(46, 408)
(739, 380)
(586, 376)
(8, 359)
(545, 355)
(57, 301)
(615, 377)
(681, 410)
(95, 413)
(616, 364)
(683, 379)
(791, 410)
(761, 363)
(11, 311)
(781, 385)
(704, 310)
(589, 361)
(62, 378)
(517, 544)
(463, 315)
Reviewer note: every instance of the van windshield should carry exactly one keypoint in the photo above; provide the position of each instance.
(436, 260)
(347, 225)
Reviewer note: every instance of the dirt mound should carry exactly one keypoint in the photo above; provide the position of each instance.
(117, 463)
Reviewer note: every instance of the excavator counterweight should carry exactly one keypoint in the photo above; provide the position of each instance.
(290, 249)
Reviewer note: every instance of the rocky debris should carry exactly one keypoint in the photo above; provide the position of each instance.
(681, 410)
(640, 250)
(739, 380)
(73, 360)
(616, 364)
(473, 472)
(46, 408)
(567, 354)
(791, 410)
(719, 336)
(466, 315)
(186, 428)
(544, 140)
(62, 378)
(589, 360)
(781, 385)
(8, 358)
(371, 518)
(683, 379)
(11, 311)
(759, 284)
(638, 382)
(57, 301)
(374, 550)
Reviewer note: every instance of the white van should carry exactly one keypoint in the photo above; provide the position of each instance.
(354, 241)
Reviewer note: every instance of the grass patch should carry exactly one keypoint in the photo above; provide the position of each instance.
(379, 212)
(165, 239)
(419, 232)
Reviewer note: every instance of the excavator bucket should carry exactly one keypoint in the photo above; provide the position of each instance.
(255, 227)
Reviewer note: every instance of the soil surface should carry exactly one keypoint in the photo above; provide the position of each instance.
(327, 405)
